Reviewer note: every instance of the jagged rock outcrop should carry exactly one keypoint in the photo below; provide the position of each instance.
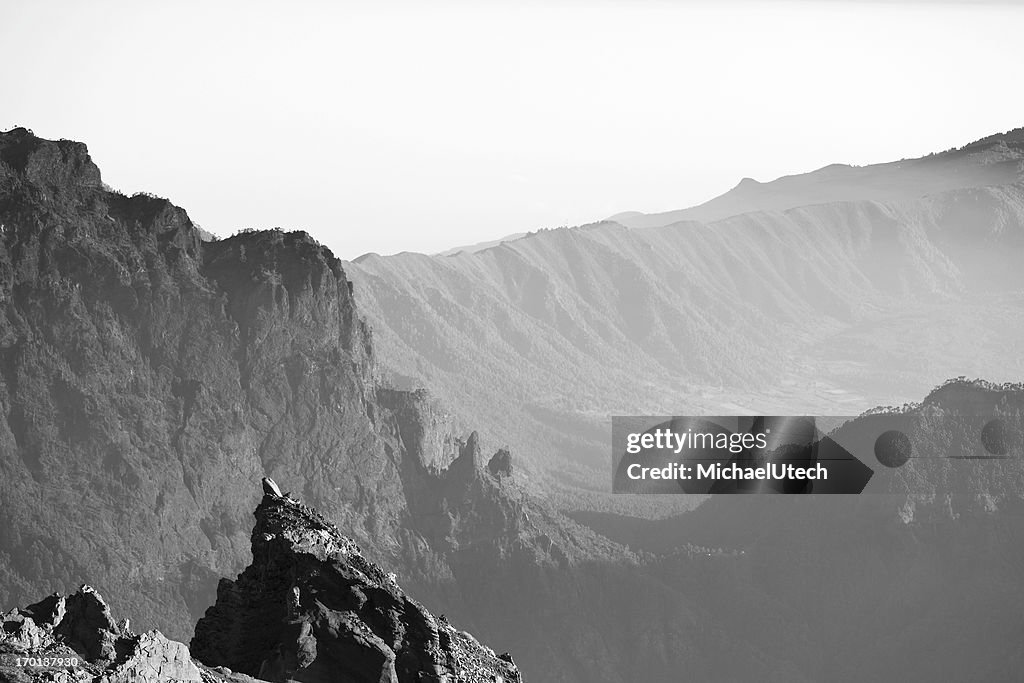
(75, 638)
(311, 607)
(500, 464)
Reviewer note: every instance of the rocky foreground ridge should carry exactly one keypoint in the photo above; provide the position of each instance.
(310, 607)
(76, 638)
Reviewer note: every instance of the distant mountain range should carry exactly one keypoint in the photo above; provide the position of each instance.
(993, 160)
(824, 293)
(828, 292)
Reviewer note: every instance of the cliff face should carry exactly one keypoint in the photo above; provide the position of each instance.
(147, 377)
(311, 607)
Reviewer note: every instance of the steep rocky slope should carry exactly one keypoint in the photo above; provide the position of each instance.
(311, 607)
(146, 376)
(76, 638)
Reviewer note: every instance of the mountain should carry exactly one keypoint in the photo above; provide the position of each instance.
(824, 307)
(993, 160)
(449, 414)
(311, 607)
(76, 637)
(482, 245)
(829, 308)
(149, 375)
(879, 587)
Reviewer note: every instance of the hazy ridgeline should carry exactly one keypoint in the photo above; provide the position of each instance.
(832, 307)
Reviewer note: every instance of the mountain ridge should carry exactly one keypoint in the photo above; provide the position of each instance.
(574, 324)
(990, 161)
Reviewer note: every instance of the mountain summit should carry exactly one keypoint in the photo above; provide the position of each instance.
(311, 607)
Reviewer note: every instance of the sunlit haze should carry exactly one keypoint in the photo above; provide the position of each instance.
(390, 127)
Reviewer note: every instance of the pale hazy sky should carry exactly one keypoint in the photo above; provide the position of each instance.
(420, 126)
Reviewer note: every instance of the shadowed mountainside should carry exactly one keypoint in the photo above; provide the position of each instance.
(147, 377)
(871, 587)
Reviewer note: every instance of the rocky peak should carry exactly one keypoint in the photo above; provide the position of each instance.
(79, 633)
(467, 466)
(311, 607)
(46, 164)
